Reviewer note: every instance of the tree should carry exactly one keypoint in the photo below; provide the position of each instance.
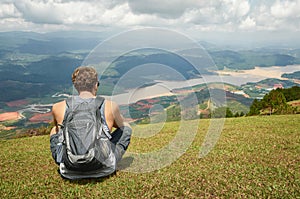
(222, 112)
(291, 93)
(219, 112)
(275, 102)
(255, 107)
(174, 113)
(228, 112)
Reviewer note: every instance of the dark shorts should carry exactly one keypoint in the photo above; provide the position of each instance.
(120, 141)
(56, 146)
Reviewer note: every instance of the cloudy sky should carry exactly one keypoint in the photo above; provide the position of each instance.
(260, 19)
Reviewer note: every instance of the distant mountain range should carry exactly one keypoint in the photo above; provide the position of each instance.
(33, 64)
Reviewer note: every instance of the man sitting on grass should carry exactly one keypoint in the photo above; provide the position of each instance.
(90, 151)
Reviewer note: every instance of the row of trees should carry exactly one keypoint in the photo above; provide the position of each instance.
(224, 111)
(275, 102)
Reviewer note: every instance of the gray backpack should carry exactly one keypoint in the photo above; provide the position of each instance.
(87, 145)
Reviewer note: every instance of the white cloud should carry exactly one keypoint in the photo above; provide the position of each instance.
(11, 23)
(71, 12)
(8, 10)
(286, 9)
(277, 16)
(163, 8)
(220, 15)
(201, 16)
(39, 12)
(223, 15)
(248, 23)
(235, 8)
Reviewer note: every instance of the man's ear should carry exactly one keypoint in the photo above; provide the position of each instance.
(96, 87)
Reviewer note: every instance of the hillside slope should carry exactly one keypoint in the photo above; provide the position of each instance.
(255, 157)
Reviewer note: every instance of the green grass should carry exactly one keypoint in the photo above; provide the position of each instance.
(255, 157)
(236, 106)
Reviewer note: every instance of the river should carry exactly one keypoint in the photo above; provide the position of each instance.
(163, 88)
(237, 78)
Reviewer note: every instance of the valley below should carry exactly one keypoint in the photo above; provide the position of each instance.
(36, 68)
(23, 114)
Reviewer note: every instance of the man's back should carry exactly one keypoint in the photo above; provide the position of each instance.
(111, 112)
(85, 80)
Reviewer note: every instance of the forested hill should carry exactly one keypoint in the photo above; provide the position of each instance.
(279, 101)
(34, 64)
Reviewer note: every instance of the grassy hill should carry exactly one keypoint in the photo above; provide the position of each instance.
(255, 157)
(247, 59)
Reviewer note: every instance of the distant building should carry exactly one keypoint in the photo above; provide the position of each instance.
(277, 86)
(241, 92)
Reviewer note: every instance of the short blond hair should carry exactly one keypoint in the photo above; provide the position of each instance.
(84, 78)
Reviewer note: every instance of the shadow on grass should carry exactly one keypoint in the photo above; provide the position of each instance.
(91, 180)
(123, 164)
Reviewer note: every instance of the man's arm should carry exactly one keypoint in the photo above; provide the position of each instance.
(118, 118)
(55, 129)
(58, 110)
(123, 132)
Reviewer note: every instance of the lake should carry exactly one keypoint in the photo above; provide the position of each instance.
(237, 78)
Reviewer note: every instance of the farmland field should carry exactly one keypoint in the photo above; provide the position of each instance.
(255, 157)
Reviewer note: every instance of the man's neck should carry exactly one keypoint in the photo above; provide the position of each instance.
(86, 94)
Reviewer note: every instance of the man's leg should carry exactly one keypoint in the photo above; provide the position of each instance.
(121, 139)
(56, 147)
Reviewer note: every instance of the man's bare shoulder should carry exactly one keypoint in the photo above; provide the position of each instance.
(59, 105)
(111, 105)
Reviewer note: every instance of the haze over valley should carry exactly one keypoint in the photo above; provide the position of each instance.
(36, 68)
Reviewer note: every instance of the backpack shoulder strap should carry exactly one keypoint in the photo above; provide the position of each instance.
(69, 102)
(68, 110)
(99, 101)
